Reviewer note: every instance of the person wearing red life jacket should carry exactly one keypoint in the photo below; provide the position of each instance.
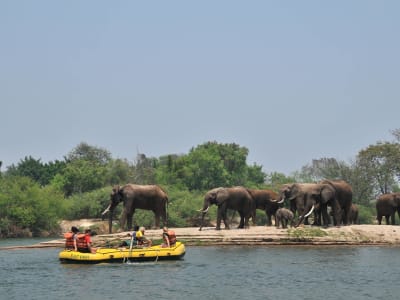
(169, 238)
(88, 242)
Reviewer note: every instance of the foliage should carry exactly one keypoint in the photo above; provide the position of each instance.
(304, 233)
(36, 170)
(212, 164)
(366, 214)
(380, 164)
(88, 205)
(35, 195)
(84, 151)
(324, 168)
(26, 207)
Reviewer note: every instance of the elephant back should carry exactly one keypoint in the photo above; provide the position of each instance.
(343, 190)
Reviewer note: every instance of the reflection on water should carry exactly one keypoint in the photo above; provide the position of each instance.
(210, 273)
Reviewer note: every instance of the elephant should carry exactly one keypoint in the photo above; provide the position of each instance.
(283, 217)
(235, 198)
(337, 194)
(387, 205)
(149, 197)
(296, 193)
(353, 214)
(267, 201)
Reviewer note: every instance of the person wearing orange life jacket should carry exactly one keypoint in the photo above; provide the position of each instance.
(169, 238)
(71, 239)
(88, 242)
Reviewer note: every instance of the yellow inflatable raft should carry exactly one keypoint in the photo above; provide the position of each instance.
(154, 253)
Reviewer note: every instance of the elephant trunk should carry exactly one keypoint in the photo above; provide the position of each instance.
(301, 219)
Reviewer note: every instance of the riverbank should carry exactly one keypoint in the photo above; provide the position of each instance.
(255, 235)
(261, 236)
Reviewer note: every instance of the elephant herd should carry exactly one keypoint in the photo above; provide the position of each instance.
(302, 199)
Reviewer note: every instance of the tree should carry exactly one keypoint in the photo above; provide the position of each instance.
(27, 208)
(36, 170)
(380, 164)
(212, 164)
(93, 154)
(324, 168)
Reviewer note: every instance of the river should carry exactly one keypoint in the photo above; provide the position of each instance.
(208, 273)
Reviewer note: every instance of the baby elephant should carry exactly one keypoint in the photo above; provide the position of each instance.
(283, 216)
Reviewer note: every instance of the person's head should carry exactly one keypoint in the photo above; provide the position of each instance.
(136, 228)
(165, 229)
(142, 229)
(74, 229)
(88, 231)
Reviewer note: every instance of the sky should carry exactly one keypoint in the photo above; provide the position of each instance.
(291, 81)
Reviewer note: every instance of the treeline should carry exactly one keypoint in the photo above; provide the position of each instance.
(35, 196)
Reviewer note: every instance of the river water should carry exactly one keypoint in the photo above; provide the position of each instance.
(209, 273)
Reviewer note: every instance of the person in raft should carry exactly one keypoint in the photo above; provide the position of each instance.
(141, 239)
(169, 238)
(75, 232)
(133, 239)
(88, 242)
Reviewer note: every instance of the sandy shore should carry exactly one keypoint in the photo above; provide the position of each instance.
(263, 235)
(255, 235)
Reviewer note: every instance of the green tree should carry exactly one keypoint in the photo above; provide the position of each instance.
(26, 208)
(82, 176)
(325, 168)
(36, 170)
(380, 166)
(120, 171)
(93, 154)
(87, 168)
(212, 164)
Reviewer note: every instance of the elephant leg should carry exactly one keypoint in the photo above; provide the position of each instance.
(123, 219)
(241, 224)
(387, 220)
(219, 215)
(157, 219)
(129, 218)
(269, 219)
(325, 215)
(392, 218)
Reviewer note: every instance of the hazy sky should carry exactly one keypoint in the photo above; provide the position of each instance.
(290, 80)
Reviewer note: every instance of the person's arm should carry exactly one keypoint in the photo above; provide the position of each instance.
(75, 245)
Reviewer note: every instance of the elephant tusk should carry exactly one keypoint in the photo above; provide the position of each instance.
(278, 201)
(309, 213)
(106, 210)
(204, 210)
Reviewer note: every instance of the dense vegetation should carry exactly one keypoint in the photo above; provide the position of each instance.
(35, 196)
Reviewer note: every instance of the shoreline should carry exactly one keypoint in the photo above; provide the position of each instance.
(352, 235)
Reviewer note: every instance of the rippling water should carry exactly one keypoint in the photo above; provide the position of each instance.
(210, 273)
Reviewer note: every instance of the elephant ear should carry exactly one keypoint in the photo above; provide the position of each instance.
(294, 191)
(221, 196)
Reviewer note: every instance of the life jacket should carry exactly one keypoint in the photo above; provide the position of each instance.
(81, 243)
(171, 237)
(69, 240)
